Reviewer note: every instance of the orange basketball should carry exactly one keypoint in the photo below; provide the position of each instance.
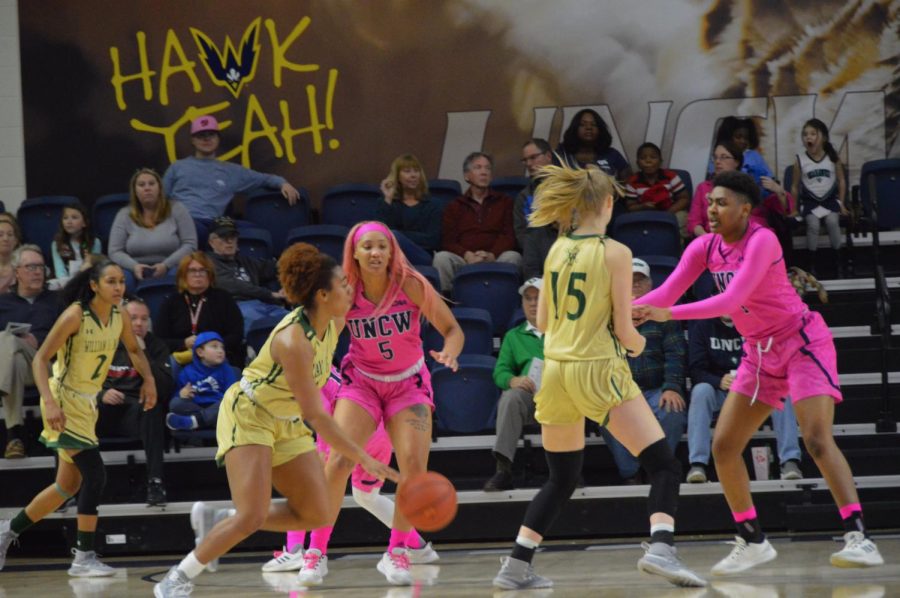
(427, 500)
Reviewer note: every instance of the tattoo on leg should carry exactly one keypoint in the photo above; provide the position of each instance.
(422, 419)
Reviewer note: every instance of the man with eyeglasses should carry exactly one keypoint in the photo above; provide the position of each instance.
(206, 185)
(27, 313)
(535, 242)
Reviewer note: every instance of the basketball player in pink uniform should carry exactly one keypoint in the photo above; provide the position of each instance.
(384, 379)
(788, 351)
(366, 493)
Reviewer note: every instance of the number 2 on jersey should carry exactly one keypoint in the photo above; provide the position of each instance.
(101, 360)
(571, 291)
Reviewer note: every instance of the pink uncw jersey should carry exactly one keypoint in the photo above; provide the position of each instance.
(388, 344)
(752, 281)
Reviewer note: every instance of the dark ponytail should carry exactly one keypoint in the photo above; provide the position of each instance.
(820, 126)
(79, 287)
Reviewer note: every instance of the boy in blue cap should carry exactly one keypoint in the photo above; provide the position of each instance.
(201, 383)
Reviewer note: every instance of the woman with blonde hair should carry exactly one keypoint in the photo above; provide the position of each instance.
(584, 312)
(151, 234)
(409, 210)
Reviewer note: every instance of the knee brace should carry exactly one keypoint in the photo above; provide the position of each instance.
(93, 480)
(564, 471)
(664, 471)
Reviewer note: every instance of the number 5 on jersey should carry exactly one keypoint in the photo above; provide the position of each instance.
(573, 290)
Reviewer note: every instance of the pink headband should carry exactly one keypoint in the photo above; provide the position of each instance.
(369, 227)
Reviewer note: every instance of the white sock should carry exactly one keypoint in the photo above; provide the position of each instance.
(380, 506)
(190, 566)
(661, 527)
(527, 542)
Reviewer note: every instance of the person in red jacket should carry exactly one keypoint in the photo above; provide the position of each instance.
(478, 225)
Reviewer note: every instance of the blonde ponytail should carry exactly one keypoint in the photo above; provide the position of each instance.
(565, 192)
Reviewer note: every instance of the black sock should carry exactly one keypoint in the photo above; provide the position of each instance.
(503, 464)
(854, 523)
(20, 523)
(14, 433)
(522, 553)
(84, 541)
(751, 531)
(664, 536)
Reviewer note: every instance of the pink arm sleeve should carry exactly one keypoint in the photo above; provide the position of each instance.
(691, 265)
(762, 250)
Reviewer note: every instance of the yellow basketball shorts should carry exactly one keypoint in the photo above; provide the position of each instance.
(241, 423)
(571, 390)
(81, 421)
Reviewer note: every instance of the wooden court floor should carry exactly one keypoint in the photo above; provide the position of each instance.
(578, 569)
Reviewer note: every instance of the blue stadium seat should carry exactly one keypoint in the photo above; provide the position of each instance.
(517, 318)
(685, 177)
(260, 330)
(345, 205)
(328, 238)
(660, 267)
(202, 227)
(879, 192)
(465, 401)
(511, 185)
(39, 219)
(476, 326)
(414, 254)
(202, 437)
(154, 291)
(444, 190)
(431, 273)
(272, 212)
(649, 233)
(104, 212)
(255, 242)
(493, 286)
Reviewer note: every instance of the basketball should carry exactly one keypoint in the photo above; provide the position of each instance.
(428, 501)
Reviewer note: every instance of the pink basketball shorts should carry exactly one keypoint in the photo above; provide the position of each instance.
(383, 400)
(799, 364)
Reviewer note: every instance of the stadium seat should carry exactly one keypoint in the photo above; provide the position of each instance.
(328, 238)
(517, 318)
(660, 267)
(510, 185)
(879, 191)
(272, 212)
(103, 213)
(202, 437)
(414, 254)
(431, 273)
(259, 332)
(255, 242)
(202, 227)
(685, 177)
(649, 233)
(444, 190)
(493, 286)
(465, 401)
(476, 326)
(154, 291)
(345, 205)
(39, 219)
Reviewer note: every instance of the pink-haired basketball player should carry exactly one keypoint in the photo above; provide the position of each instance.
(789, 351)
(366, 493)
(384, 380)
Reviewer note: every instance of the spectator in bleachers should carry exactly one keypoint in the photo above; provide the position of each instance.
(521, 347)
(478, 225)
(743, 134)
(201, 385)
(656, 188)
(120, 411)
(206, 185)
(770, 213)
(659, 372)
(151, 234)
(714, 352)
(535, 242)
(10, 238)
(197, 307)
(588, 141)
(27, 313)
(246, 278)
(73, 242)
(407, 207)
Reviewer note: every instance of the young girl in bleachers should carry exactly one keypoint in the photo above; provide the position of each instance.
(73, 242)
(819, 180)
(656, 188)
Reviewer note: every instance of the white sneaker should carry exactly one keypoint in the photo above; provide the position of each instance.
(203, 519)
(423, 556)
(858, 551)
(86, 564)
(286, 560)
(315, 568)
(174, 585)
(7, 537)
(744, 556)
(394, 565)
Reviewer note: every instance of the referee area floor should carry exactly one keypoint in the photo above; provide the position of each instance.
(577, 569)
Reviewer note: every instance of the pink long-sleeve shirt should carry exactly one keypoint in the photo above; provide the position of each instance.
(751, 278)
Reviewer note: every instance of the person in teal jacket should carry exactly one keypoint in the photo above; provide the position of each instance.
(518, 373)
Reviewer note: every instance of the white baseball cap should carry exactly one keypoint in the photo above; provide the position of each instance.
(536, 282)
(639, 266)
